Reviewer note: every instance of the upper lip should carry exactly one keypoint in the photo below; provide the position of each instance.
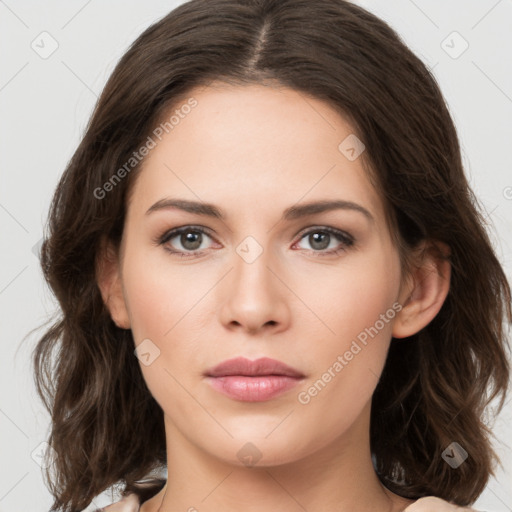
(258, 367)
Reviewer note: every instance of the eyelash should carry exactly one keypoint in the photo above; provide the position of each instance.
(346, 239)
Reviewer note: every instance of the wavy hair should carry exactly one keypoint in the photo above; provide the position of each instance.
(106, 428)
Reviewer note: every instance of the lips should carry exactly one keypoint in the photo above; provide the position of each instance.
(263, 366)
(253, 381)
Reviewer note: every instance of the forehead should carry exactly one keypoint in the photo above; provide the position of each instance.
(253, 146)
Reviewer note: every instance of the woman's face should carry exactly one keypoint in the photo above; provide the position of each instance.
(317, 289)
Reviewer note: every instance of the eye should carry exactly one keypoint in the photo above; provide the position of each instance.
(190, 238)
(322, 238)
(193, 241)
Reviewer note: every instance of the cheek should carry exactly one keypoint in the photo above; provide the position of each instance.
(160, 303)
(158, 294)
(350, 298)
(166, 305)
(358, 306)
(346, 370)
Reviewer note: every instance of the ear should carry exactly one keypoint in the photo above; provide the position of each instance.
(108, 277)
(425, 291)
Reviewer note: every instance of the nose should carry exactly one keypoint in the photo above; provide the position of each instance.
(254, 297)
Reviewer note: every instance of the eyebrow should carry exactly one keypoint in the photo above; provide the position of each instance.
(291, 213)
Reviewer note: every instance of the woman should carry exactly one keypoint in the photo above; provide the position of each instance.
(274, 278)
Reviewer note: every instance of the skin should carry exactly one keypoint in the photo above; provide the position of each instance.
(254, 151)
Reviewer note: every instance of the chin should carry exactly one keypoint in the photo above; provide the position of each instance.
(262, 450)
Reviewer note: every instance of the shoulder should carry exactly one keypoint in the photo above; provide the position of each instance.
(130, 503)
(431, 504)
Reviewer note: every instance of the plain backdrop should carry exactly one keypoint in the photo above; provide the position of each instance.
(55, 59)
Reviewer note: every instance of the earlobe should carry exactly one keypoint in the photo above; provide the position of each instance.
(425, 292)
(108, 278)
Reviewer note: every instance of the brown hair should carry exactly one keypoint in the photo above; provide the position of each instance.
(106, 427)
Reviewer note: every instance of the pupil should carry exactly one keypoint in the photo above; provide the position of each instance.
(316, 236)
(188, 238)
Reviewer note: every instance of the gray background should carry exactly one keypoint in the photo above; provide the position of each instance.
(45, 104)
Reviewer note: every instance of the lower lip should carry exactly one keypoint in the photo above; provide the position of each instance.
(253, 389)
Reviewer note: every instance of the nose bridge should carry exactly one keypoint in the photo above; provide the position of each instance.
(254, 295)
(251, 274)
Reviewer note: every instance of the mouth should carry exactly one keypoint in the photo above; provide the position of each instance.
(261, 367)
(253, 381)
